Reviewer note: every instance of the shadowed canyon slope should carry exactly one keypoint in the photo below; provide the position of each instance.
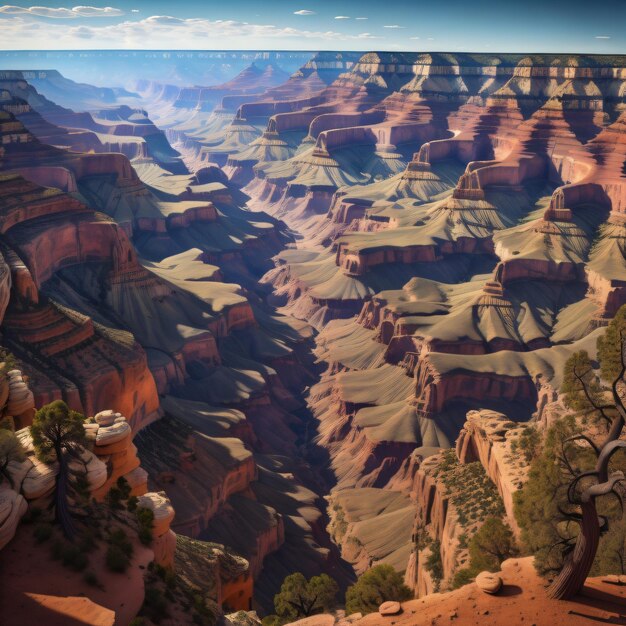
(326, 300)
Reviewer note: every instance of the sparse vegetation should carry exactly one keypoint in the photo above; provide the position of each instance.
(472, 493)
(73, 558)
(119, 551)
(299, 598)
(145, 518)
(492, 544)
(155, 604)
(434, 565)
(116, 559)
(91, 579)
(377, 585)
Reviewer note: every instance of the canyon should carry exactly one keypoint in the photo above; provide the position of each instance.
(325, 296)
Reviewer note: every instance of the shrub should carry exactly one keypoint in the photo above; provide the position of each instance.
(154, 604)
(118, 538)
(530, 443)
(491, 545)
(114, 498)
(116, 559)
(377, 585)
(463, 577)
(91, 579)
(73, 558)
(145, 518)
(434, 564)
(299, 597)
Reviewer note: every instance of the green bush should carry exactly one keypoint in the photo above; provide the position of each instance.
(488, 548)
(145, 518)
(118, 538)
(463, 577)
(114, 498)
(377, 585)
(73, 558)
(154, 605)
(124, 487)
(434, 564)
(116, 559)
(491, 545)
(299, 597)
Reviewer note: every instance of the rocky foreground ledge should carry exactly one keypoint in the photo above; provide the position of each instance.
(521, 600)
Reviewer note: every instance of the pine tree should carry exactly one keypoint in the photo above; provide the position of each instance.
(58, 436)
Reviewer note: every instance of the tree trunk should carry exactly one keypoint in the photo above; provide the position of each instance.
(572, 577)
(61, 509)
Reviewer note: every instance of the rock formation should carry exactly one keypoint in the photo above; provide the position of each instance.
(441, 230)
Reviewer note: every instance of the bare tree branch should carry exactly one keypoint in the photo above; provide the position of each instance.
(582, 437)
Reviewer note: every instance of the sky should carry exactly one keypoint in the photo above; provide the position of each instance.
(581, 26)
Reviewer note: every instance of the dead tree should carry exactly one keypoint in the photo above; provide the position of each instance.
(585, 392)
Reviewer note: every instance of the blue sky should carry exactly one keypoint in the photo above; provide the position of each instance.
(435, 25)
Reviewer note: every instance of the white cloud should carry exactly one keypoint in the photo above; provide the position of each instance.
(361, 18)
(171, 32)
(61, 13)
(413, 37)
(342, 17)
(134, 10)
(602, 37)
(393, 26)
(304, 12)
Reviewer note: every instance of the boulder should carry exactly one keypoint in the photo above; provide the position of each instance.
(138, 481)
(116, 431)
(488, 582)
(163, 511)
(95, 468)
(106, 418)
(164, 548)
(12, 507)
(39, 480)
(21, 398)
(390, 608)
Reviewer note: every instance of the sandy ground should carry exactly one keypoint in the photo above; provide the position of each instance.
(522, 601)
(35, 590)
